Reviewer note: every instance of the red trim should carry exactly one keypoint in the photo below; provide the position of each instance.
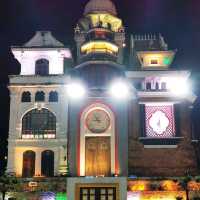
(116, 135)
(78, 145)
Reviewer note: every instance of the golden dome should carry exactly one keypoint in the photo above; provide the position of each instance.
(100, 6)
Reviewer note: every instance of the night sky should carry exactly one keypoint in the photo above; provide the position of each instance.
(177, 20)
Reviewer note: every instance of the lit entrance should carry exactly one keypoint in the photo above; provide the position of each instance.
(98, 193)
(97, 156)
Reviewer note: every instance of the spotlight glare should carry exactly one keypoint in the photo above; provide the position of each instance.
(75, 90)
(179, 86)
(119, 90)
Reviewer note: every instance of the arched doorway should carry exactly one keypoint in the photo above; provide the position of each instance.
(28, 164)
(97, 154)
(47, 163)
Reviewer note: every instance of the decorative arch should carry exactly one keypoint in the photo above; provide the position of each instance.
(42, 67)
(163, 86)
(28, 164)
(47, 163)
(40, 96)
(26, 97)
(53, 96)
(84, 132)
(148, 86)
(39, 123)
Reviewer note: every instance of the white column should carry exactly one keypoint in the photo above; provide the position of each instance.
(38, 163)
(11, 159)
(13, 113)
(56, 161)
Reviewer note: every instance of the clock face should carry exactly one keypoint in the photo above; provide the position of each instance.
(98, 121)
(159, 122)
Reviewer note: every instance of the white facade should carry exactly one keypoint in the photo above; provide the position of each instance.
(17, 145)
(28, 58)
(42, 46)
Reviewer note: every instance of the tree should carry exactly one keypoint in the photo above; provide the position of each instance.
(184, 184)
(7, 183)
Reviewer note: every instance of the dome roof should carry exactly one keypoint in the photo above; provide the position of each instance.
(103, 6)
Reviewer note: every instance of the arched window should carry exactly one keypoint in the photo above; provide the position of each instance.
(148, 86)
(53, 96)
(28, 164)
(163, 86)
(39, 124)
(40, 96)
(42, 67)
(26, 97)
(157, 86)
(47, 163)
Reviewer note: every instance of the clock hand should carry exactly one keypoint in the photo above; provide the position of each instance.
(159, 123)
(96, 119)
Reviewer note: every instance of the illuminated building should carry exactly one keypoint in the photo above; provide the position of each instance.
(100, 121)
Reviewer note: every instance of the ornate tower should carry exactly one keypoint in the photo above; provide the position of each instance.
(106, 124)
(37, 135)
(100, 33)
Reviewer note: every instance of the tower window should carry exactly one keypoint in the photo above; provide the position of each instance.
(157, 86)
(154, 62)
(40, 96)
(39, 124)
(42, 67)
(53, 96)
(148, 86)
(163, 86)
(26, 97)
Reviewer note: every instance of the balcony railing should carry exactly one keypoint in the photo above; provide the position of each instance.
(38, 134)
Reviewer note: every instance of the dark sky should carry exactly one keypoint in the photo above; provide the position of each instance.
(177, 20)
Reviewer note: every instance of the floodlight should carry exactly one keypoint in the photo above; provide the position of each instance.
(75, 90)
(178, 86)
(119, 89)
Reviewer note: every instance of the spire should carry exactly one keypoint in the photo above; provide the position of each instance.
(132, 58)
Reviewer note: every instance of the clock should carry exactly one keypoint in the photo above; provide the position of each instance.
(159, 122)
(98, 121)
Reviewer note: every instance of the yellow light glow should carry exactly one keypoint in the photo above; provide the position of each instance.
(106, 19)
(156, 195)
(18, 163)
(170, 185)
(163, 58)
(99, 46)
(138, 185)
(194, 186)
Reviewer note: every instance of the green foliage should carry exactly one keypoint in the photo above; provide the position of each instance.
(197, 179)
(7, 184)
(184, 182)
(196, 198)
(61, 196)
